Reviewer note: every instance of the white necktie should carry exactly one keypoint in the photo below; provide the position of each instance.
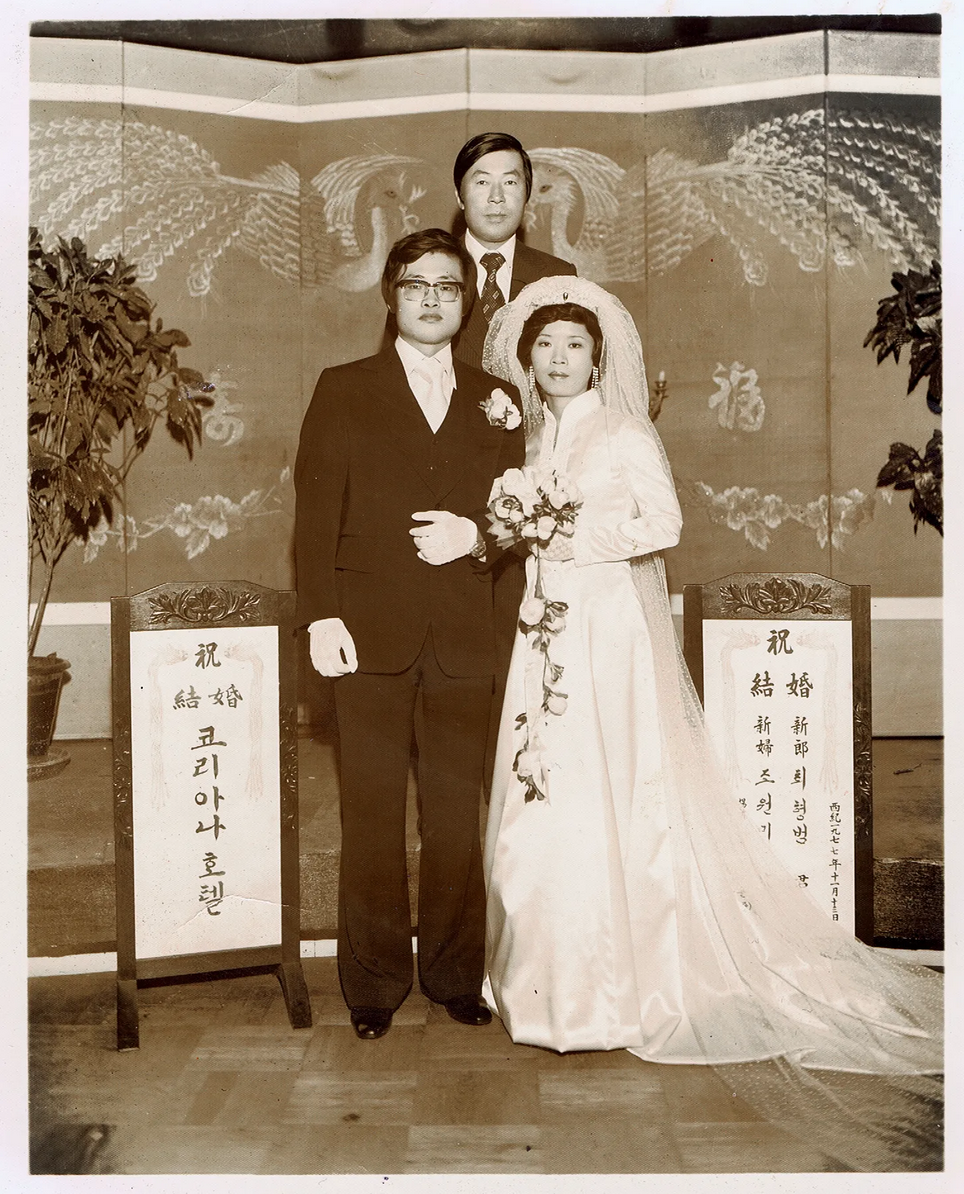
(434, 401)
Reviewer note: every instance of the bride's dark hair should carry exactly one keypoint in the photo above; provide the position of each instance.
(558, 313)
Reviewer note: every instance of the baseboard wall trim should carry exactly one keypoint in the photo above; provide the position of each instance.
(885, 609)
(71, 964)
(325, 948)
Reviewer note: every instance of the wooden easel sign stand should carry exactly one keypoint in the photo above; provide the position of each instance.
(205, 789)
(782, 664)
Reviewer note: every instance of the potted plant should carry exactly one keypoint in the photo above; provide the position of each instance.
(101, 374)
(912, 315)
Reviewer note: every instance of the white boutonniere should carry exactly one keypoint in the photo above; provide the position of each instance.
(501, 411)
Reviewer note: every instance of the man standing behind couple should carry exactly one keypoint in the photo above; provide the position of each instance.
(493, 183)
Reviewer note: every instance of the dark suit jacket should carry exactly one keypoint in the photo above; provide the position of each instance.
(367, 460)
(529, 265)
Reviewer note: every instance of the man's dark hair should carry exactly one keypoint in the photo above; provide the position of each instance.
(558, 313)
(483, 143)
(428, 240)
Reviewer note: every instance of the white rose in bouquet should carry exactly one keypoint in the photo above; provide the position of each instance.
(532, 611)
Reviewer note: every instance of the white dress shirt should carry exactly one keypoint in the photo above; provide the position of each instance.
(431, 379)
(503, 276)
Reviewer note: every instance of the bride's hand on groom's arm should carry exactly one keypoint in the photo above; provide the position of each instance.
(331, 647)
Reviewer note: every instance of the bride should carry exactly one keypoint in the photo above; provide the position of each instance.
(630, 902)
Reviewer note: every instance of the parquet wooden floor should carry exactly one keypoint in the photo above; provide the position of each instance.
(222, 1084)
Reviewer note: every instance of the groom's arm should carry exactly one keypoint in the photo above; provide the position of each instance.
(321, 475)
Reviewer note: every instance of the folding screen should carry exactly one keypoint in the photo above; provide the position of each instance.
(748, 202)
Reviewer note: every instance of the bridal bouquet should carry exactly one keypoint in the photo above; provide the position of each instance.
(524, 509)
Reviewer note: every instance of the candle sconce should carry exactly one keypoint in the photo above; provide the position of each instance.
(657, 395)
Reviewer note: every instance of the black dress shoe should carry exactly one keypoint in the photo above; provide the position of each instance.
(370, 1023)
(468, 1009)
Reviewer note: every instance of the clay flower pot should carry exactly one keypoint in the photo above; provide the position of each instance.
(46, 676)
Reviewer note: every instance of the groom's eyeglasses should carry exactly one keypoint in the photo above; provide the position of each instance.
(415, 289)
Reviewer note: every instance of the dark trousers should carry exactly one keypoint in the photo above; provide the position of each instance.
(376, 721)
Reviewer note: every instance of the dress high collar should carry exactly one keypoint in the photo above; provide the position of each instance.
(575, 409)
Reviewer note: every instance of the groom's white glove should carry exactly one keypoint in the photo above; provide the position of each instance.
(332, 648)
(446, 537)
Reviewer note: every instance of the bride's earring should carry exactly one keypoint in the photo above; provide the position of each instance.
(595, 377)
(532, 380)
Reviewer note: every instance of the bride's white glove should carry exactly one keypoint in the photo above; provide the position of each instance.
(558, 548)
(332, 648)
(446, 537)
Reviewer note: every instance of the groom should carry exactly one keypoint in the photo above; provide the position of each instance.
(395, 465)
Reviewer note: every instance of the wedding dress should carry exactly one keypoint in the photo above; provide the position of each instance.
(586, 872)
(633, 905)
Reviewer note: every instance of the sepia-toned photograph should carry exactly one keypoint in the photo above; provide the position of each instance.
(485, 643)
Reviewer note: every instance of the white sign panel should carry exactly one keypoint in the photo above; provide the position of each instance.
(206, 790)
(778, 699)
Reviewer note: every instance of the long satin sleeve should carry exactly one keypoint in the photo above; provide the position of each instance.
(644, 513)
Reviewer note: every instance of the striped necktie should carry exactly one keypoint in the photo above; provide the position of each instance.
(492, 296)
